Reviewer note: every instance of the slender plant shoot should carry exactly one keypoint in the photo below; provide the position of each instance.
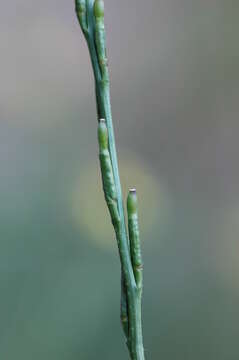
(90, 14)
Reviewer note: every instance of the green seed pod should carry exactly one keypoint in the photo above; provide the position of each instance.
(107, 173)
(81, 14)
(100, 39)
(124, 308)
(132, 203)
(99, 9)
(102, 134)
(135, 248)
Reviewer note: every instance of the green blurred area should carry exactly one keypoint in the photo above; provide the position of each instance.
(175, 88)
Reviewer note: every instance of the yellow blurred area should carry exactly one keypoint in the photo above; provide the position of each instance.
(89, 207)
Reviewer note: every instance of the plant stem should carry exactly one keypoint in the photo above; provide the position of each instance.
(91, 17)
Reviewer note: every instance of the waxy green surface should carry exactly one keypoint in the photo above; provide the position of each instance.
(90, 14)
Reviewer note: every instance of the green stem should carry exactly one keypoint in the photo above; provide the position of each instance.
(136, 344)
(137, 351)
(91, 17)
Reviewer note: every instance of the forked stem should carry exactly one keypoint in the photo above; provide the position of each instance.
(90, 14)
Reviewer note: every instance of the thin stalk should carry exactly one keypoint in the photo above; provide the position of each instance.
(90, 14)
(136, 347)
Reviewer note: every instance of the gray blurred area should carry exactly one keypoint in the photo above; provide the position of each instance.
(175, 95)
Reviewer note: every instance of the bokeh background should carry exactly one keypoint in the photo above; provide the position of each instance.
(175, 90)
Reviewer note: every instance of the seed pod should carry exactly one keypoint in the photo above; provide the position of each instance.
(81, 14)
(100, 39)
(135, 248)
(99, 9)
(124, 307)
(102, 135)
(107, 173)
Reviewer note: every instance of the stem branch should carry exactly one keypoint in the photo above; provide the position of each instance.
(90, 14)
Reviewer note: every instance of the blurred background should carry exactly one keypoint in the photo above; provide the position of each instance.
(175, 87)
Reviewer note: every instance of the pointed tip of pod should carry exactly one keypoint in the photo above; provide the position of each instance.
(99, 8)
(132, 202)
(102, 134)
